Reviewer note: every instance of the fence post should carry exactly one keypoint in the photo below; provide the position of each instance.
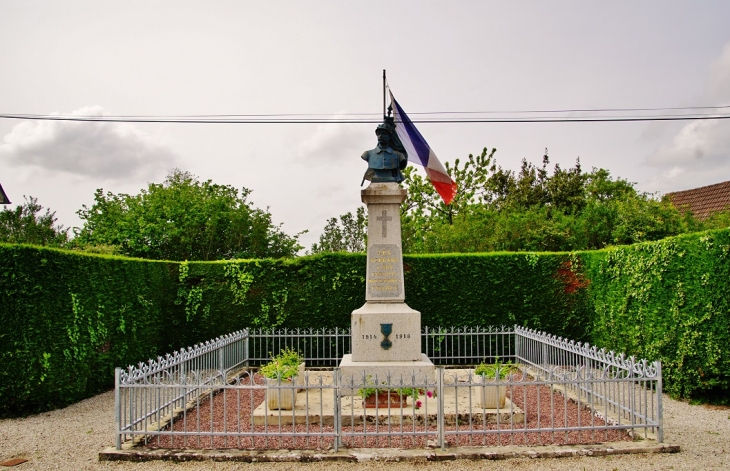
(117, 408)
(247, 354)
(338, 408)
(337, 342)
(440, 412)
(518, 348)
(660, 412)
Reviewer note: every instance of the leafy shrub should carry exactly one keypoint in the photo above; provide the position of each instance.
(494, 370)
(283, 366)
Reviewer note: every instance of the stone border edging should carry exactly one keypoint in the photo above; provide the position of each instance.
(359, 455)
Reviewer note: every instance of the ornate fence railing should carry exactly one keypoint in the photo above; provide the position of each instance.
(468, 345)
(202, 365)
(320, 347)
(557, 391)
(621, 388)
(444, 346)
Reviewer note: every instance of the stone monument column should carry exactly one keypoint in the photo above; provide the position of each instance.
(385, 328)
(386, 333)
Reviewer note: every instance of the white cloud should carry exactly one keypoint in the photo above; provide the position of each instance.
(699, 144)
(331, 143)
(109, 150)
(699, 154)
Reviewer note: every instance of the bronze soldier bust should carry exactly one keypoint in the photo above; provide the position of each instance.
(384, 162)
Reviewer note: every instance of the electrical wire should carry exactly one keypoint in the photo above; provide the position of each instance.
(447, 117)
(176, 120)
(577, 110)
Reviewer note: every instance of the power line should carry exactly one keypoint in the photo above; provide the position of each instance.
(273, 120)
(283, 115)
(577, 110)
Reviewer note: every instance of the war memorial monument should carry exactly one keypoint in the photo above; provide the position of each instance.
(386, 333)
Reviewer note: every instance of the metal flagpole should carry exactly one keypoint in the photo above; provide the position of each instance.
(383, 93)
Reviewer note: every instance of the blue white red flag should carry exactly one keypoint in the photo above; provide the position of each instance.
(420, 153)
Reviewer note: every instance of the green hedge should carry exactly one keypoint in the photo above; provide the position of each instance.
(667, 300)
(322, 291)
(537, 290)
(69, 318)
(318, 291)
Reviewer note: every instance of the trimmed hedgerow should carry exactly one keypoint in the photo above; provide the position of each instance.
(667, 300)
(322, 291)
(537, 290)
(317, 291)
(69, 318)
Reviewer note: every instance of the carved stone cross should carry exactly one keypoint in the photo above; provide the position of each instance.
(385, 218)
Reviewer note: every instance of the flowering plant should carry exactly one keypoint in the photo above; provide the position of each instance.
(370, 389)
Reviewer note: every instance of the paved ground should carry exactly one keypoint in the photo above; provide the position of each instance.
(71, 439)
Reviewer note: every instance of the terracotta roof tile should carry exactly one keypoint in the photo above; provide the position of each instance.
(703, 201)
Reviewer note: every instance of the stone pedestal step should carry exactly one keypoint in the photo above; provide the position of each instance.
(317, 407)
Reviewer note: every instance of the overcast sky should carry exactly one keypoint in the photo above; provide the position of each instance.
(262, 57)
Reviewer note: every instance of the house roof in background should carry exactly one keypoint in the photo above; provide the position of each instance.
(3, 197)
(704, 200)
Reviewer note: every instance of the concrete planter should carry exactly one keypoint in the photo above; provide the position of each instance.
(491, 395)
(281, 395)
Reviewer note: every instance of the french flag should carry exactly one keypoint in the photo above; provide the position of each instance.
(420, 153)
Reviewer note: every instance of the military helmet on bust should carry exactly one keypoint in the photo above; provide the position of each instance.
(382, 128)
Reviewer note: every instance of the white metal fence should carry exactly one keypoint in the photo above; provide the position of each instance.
(557, 391)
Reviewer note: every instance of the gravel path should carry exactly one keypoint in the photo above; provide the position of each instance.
(71, 438)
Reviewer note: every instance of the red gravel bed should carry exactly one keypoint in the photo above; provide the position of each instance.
(231, 411)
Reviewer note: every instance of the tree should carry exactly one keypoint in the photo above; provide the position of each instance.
(536, 210)
(471, 180)
(184, 219)
(716, 220)
(26, 225)
(346, 235)
(533, 209)
(423, 211)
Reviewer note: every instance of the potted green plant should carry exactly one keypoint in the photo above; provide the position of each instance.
(491, 392)
(283, 373)
(383, 397)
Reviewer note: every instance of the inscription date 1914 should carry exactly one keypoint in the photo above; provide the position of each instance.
(375, 337)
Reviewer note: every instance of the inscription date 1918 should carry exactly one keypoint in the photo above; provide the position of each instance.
(375, 337)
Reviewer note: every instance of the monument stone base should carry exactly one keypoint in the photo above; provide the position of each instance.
(403, 342)
(353, 373)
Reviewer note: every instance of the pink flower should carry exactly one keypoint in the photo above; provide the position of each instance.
(429, 394)
(418, 404)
